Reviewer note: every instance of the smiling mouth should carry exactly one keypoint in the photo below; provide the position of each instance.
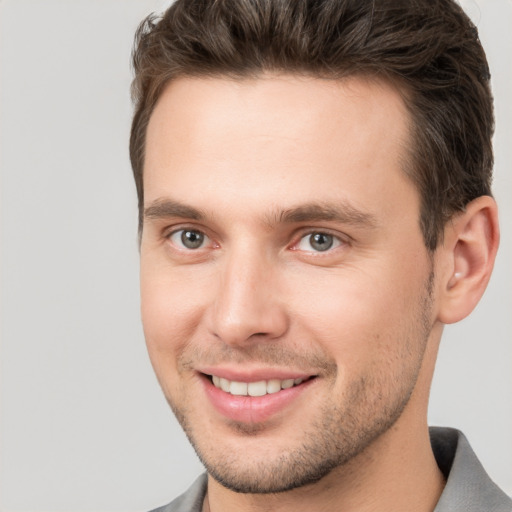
(259, 388)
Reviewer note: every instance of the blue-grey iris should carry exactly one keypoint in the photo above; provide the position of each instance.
(321, 241)
(192, 239)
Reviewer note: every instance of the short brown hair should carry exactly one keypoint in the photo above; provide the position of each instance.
(429, 47)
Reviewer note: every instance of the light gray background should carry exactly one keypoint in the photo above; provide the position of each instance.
(83, 424)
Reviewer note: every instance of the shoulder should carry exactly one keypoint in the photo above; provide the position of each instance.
(190, 501)
(468, 487)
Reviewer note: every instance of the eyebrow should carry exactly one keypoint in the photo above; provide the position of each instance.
(167, 208)
(342, 212)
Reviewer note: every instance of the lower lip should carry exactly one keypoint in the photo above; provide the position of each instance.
(252, 409)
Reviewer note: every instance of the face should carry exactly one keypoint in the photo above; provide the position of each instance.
(286, 288)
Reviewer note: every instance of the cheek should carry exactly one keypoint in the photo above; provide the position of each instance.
(337, 302)
(171, 307)
(361, 318)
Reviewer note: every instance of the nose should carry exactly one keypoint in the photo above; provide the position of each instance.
(248, 303)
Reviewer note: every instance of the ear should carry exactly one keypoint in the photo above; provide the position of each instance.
(468, 252)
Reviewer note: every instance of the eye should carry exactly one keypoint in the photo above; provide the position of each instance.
(189, 239)
(318, 242)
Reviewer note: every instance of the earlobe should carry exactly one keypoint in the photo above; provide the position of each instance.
(470, 244)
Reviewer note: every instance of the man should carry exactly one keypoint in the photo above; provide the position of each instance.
(315, 204)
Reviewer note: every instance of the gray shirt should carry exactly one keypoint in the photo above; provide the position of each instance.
(468, 487)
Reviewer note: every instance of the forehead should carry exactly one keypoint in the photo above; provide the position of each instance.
(279, 137)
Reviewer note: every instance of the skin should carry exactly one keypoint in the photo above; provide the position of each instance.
(256, 167)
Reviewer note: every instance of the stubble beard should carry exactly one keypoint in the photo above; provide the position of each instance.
(340, 433)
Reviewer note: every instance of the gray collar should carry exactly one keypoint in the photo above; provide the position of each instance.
(468, 487)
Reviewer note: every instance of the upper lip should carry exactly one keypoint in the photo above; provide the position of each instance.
(254, 375)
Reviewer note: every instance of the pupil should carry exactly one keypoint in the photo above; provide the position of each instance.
(192, 239)
(321, 241)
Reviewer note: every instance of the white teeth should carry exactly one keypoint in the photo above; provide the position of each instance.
(238, 388)
(224, 385)
(273, 386)
(287, 383)
(259, 388)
